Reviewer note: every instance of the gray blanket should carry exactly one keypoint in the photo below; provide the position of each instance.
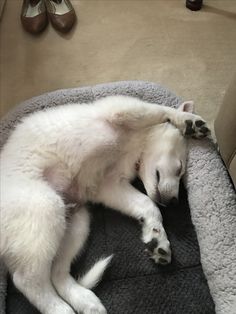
(211, 198)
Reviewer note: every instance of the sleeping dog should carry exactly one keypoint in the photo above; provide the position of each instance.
(82, 153)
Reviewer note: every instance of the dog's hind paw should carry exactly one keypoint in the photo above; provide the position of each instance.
(95, 310)
(88, 303)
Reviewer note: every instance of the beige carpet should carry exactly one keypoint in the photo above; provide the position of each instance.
(193, 53)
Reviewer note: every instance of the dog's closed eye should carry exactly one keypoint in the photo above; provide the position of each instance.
(158, 176)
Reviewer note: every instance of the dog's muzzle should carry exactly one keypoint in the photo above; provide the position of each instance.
(159, 198)
(164, 200)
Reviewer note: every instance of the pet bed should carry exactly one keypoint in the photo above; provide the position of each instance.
(201, 229)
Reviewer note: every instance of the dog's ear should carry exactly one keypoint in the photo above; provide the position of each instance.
(187, 106)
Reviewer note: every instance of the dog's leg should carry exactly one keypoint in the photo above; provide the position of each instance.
(124, 197)
(80, 298)
(35, 284)
(34, 228)
(136, 114)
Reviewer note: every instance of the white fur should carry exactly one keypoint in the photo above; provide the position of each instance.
(82, 152)
(94, 275)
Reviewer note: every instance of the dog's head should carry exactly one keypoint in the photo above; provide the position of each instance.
(163, 161)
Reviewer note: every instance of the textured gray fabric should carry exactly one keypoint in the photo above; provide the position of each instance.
(3, 287)
(211, 196)
(212, 202)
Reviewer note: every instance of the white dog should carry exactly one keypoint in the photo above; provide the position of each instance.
(83, 153)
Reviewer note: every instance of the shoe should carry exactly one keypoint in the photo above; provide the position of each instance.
(34, 16)
(61, 14)
(194, 5)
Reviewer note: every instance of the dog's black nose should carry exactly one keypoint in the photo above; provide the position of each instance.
(174, 201)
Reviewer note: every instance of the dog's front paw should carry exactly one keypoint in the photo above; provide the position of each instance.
(192, 125)
(158, 246)
(196, 128)
(159, 254)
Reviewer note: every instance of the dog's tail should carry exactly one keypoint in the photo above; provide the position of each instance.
(94, 275)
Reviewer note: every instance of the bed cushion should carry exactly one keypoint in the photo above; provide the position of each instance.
(205, 218)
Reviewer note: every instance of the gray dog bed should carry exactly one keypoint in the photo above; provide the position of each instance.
(192, 284)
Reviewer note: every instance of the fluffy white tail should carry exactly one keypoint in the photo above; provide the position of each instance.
(94, 275)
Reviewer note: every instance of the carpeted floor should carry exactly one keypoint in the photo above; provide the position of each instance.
(193, 53)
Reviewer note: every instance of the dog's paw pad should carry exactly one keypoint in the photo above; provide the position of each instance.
(162, 261)
(152, 245)
(189, 127)
(199, 123)
(161, 251)
(204, 130)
